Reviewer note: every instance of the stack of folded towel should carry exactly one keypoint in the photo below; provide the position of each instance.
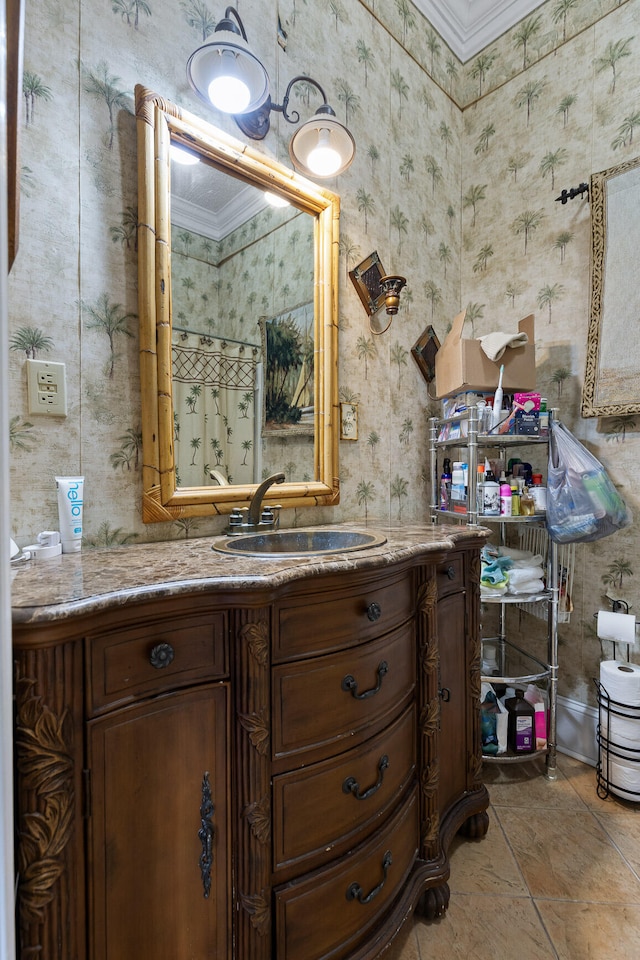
(506, 570)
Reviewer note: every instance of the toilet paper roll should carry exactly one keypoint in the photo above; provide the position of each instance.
(623, 732)
(623, 777)
(619, 627)
(621, 681)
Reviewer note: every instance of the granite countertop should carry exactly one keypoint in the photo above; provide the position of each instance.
(93, 579)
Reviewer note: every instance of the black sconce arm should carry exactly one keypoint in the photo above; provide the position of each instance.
(294, 116)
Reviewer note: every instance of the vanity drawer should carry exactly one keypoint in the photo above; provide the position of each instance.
(352, 792)
(309, 626)
(344, 696)
(144, 660)
(450, 575)
(323, 916)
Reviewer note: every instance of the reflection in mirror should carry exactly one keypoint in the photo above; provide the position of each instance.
(239, 384)
(611, 386)
(238, 322)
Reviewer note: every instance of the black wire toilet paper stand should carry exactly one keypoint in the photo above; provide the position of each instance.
(608, 748)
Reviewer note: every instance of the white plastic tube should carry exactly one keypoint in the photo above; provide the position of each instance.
(70, 500)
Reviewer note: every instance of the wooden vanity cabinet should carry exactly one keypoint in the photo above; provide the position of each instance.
(259, 774)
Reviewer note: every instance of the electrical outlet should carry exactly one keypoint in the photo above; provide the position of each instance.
(47, 388)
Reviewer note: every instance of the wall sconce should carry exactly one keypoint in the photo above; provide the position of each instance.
(377, 289)
(391, 287)
(227, 75)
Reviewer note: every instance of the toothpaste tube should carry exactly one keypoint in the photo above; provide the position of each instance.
(70, 500)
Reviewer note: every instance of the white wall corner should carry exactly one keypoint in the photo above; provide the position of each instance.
(576, 725)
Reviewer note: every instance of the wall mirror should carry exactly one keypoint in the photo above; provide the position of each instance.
(611, 384)
(238, 321)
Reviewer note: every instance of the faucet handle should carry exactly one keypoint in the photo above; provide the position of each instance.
(236, 520)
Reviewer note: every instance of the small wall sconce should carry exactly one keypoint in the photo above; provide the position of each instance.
(391, 287)
(377, 289)
(227, 75)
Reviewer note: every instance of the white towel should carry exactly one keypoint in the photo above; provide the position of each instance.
(495, 344)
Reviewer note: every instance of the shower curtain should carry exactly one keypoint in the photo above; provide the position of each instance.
(214, 384)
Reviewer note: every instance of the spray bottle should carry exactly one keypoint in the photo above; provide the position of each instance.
(496, 415)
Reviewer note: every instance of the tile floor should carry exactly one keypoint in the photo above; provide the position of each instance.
(557, 876)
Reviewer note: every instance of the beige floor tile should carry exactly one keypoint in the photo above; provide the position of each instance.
(623, 828)
(405, 947)
(524, 784)
(485, 866)
(582, 778)
(587, 931)
(567, 855)
(484, 928)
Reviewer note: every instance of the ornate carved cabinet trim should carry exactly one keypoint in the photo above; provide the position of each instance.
(250, 632)
(48, 747)
(473, 739)
(429, 705)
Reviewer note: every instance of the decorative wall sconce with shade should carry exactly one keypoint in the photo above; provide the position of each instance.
(228, 76)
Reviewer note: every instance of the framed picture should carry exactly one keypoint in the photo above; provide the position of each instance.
(288, 351)
(366, 279)
(424, 352)
(348, 421)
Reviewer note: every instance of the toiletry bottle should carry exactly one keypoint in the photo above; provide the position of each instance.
(505, 499)
(521, 735)
(491, 489)
(497, 401)
(527, 505)
(445, 485)
(543, 418)
(515, 499)
(480, 489)
(458, 493)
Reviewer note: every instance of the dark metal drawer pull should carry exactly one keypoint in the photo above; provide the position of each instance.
(354, 890)
(445, 694)
(206, 834)
(161, 655)
(349, 683)
(451, 572)
(374, 611)
(351, 784)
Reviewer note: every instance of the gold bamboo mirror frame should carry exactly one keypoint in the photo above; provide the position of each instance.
(160, 123)
(611, 383)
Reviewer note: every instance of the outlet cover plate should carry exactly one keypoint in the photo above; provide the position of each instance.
(46, 388)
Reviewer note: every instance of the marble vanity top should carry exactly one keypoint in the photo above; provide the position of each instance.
(97, 578)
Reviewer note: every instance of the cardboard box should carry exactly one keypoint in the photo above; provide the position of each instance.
(463, 365)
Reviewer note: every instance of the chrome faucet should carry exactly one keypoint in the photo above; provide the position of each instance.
(243, 521)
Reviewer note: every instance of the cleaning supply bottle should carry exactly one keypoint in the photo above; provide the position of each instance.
(497, 401)
(445, 485)
(521, 733)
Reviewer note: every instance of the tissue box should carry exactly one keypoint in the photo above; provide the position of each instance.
(461, 364)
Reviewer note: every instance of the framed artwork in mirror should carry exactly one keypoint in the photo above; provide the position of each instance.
(366, 279)
(288, 351)
(424, 353)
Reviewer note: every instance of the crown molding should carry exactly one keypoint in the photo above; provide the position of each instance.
(467, 26)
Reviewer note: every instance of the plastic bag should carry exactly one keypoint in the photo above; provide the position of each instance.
(582, 502)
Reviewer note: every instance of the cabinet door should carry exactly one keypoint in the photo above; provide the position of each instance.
(453, 699)
(158, 834)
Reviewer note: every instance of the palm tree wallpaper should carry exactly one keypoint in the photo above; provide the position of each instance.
(454, 184)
